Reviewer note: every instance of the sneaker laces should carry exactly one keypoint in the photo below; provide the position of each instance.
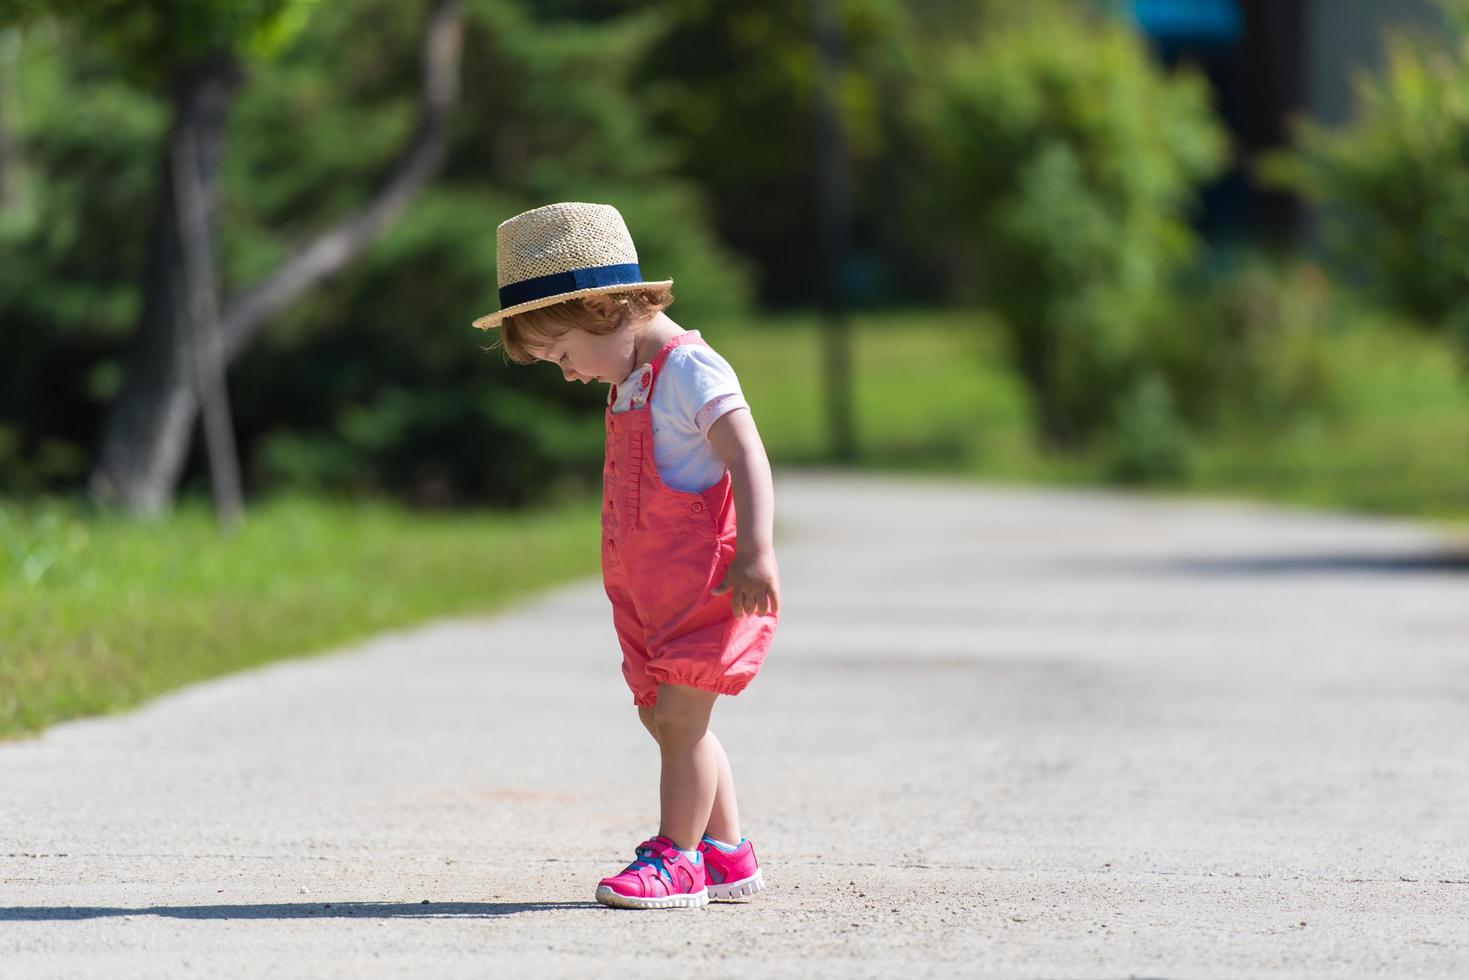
(646, 858)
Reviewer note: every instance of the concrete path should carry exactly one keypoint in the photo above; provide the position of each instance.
(1004, 733)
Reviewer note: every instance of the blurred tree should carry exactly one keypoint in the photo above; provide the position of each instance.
(201, 310)
(146, 432)
(372, 381)
(195, 51)
(190, 50)
(71, 256)
(376, 383)
(735, 86)
(1063, 166)
(1394, 182)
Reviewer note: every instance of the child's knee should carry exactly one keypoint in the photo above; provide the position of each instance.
(679, 721)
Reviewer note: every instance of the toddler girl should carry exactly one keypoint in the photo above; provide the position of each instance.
(694, 592)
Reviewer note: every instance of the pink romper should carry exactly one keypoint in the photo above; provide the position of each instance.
(662, 551)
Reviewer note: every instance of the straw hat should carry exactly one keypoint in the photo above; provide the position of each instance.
(561, 251)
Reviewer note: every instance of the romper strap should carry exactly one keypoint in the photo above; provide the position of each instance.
(656, 365)
(687, 337)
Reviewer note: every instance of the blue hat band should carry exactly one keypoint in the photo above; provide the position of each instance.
(530, 290)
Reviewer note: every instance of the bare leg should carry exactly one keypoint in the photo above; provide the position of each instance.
(645, 715)
(690, 763)
(724, 817)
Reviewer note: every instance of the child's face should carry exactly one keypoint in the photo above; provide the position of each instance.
(587, 357)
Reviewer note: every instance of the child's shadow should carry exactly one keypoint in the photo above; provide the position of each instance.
(296, 910)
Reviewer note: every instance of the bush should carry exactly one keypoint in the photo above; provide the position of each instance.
(1394, 182)
(1148, 443)
(1070, 161)
(1246, 346)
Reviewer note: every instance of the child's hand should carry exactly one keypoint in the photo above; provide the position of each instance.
(750, 582)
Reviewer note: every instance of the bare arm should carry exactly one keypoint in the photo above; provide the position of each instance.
(751, 578)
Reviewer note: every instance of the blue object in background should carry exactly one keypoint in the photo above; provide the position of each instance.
(1208, 21)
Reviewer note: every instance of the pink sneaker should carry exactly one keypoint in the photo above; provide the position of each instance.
(731, 874)
(660, 877)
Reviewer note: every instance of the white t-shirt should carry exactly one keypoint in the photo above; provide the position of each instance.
(696, 387)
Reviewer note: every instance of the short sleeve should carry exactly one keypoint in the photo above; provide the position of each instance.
(701, 386)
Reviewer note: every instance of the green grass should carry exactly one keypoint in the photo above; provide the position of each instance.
(98, 614)
(1397, 441)
(935, 392)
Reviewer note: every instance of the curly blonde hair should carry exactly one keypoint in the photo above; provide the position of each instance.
(523, 333)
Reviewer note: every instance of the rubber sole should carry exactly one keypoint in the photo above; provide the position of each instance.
(738, 889)
(610, 898)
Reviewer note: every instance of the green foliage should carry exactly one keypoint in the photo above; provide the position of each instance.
(1069, 162)
(153, 38)
(72, 244)
(32, 469)
(1394, 182)
(1148, 441)
(375, 382)
(733, 88)
(1247, 346)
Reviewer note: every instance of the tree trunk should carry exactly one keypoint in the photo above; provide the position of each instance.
(7, 147)
(1035, 345)
(833, 222)
(211, 385)
(146, 433)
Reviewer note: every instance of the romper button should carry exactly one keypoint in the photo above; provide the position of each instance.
(696, 507)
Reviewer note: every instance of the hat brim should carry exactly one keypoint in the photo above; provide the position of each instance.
(492, 320)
